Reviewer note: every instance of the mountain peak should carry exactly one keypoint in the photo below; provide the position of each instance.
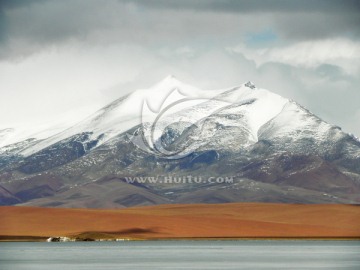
(250, 85)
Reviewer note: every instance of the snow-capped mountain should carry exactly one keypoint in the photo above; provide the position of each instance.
(273, 148)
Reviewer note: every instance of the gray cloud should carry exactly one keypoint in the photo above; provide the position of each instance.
(242, 6)
(294, 19)
(27, 26)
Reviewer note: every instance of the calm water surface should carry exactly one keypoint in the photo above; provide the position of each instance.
(219, 255)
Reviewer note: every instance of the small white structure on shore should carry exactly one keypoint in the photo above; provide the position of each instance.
(60, 239)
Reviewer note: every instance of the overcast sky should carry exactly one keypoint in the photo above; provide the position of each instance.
(68, 57)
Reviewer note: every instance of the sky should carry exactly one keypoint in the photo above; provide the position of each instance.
(62, 60)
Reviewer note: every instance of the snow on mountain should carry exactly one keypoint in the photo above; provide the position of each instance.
(9, 136)
(122, 114)
(266, 106)
(5, 135)
(296, 122)
(241, 110)
(175, 101)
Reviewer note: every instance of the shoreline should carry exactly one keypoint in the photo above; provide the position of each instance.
(29, 239)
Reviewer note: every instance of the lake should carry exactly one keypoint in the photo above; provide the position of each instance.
(219, 255)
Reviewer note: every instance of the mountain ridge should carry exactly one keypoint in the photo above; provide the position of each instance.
(275, 150)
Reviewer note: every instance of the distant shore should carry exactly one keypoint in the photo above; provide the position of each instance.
(235, 221)
(44, 239)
